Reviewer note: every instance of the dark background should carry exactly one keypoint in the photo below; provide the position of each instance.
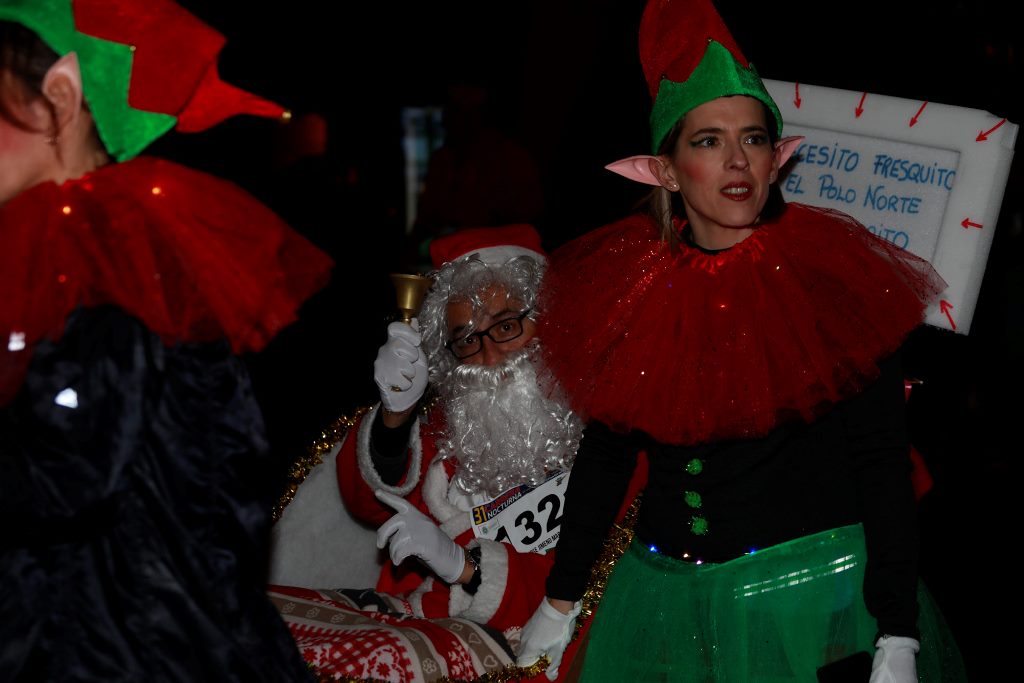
(567, 79)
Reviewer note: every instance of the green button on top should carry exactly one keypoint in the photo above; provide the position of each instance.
(694, 466)
(693, 499)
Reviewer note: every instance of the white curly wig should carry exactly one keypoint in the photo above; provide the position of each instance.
(464, 279)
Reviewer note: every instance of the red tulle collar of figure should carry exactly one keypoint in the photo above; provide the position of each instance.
(691, 346)
(193, 256)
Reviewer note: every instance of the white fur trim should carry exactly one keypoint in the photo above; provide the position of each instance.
(435, 494)
(494, 581)
(457, 524)
(369, 472)
(317, 528)
(497, 256)
(458, 601)
(415, 597)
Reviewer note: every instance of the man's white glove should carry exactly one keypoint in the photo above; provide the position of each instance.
(400, 370)
(410, 532)
(895, 660)
(547, 632)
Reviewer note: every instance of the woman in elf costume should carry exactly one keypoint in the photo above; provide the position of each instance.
(752, 349)
(133, 458)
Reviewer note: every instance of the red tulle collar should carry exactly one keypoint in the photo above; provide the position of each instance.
(194, 257)
(691, 346)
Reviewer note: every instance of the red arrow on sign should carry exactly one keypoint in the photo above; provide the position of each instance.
(946, 308)
(983, 135)
(968, 224)
(860, 105)
(914, 120)
(796, 97)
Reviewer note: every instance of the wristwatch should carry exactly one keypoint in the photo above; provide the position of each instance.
(473, 556)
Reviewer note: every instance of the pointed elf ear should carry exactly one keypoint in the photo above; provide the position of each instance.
(62, 87)
(638, 168)
(785, 147)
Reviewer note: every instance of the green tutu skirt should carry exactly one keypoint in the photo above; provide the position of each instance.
(777, 615)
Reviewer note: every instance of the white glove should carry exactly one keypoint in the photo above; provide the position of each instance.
(547, 633)
(895, 660)
(400, 370)
(410, 532)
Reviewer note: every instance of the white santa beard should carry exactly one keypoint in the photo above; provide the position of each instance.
(502, 430)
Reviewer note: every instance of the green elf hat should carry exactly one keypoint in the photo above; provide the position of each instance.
(689, 58)
(147, 66)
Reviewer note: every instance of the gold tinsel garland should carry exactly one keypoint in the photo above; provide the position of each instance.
(301, 468)
(615, 545)
(327, 440)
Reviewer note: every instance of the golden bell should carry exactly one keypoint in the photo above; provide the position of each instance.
(410, 290)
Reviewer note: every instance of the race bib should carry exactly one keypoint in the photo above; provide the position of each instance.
(525, 517)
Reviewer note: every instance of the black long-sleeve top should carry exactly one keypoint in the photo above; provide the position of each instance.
(389, 448)
(718, 501)
(136, 498)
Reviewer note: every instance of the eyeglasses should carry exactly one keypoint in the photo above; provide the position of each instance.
(499, 333)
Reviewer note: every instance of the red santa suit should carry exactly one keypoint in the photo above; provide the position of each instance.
(512, 582)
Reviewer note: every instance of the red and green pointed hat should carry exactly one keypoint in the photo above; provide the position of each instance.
(689, 58)
(147, 66)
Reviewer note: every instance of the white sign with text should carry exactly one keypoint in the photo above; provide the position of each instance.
(927, 177)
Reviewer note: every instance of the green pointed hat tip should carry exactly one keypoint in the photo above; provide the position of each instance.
(719, 74)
